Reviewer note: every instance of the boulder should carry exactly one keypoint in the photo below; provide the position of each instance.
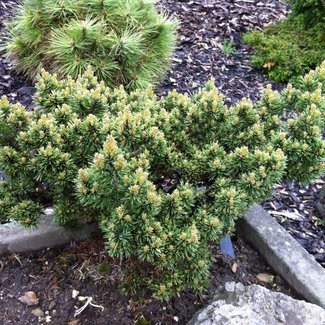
(236, 304)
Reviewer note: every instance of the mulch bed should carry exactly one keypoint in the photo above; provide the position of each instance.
(205, 24)
(14, 86)
(294, 207)
(53, 274)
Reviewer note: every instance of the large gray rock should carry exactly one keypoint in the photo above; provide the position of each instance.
(255, 305)
(284, 254)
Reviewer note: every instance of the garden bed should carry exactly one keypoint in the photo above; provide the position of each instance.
(53, 274)
(198, 57)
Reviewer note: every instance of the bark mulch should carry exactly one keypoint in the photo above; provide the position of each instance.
(204, 26)
(294, 207)
(13, 85)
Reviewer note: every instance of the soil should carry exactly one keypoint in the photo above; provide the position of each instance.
(53, 274)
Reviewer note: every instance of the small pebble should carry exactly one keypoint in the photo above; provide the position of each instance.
(29, 298)
(37, 312)
(52, 305)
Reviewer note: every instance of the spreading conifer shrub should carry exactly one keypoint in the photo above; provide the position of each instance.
(163, 177)
(291, 47)
(126, 42)
(309, 12)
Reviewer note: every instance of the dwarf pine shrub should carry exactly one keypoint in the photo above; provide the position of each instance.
(291, 47)
(163, 177)
(125, 42)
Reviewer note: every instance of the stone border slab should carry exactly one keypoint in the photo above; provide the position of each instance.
(16, 239)
(284, 254)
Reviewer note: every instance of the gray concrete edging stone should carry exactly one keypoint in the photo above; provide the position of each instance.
(17, 239)
(284, 254)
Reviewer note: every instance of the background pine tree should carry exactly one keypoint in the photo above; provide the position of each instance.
(125, 41)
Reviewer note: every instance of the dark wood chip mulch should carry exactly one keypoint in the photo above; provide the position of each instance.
(294, 207)
(205, 24)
